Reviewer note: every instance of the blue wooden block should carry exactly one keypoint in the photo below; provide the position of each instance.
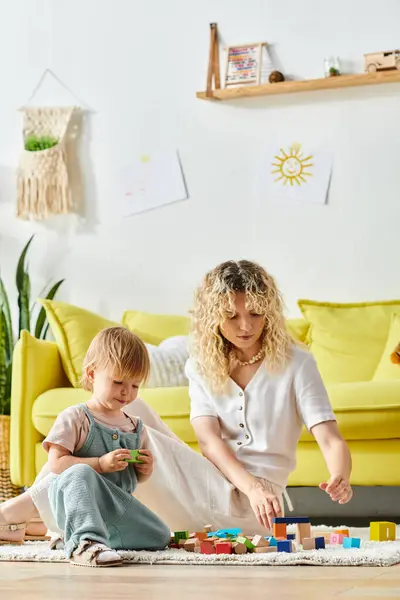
(291, 520)
(349, 542)
(285, 546)
(272, 541)
(221, 533)
(291, 536)
(319, 543)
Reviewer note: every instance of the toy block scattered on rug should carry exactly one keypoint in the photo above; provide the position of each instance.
(337, 538)
(180, 535)
(285, 546)
(279, 530)
(223, 547)
(349, 542)
(382, 531)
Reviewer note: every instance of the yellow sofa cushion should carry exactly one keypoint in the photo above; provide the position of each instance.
(347, 340)
(298, 329)
(73, 329)
(386, 369)
(153, 328)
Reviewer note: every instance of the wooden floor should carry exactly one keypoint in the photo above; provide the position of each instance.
(40, 581)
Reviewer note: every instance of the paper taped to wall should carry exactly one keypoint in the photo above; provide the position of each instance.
(150, 181)
(296, 173)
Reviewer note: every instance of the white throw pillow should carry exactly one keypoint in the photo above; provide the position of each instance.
(167, 363)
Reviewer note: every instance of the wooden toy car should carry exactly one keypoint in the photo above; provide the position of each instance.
(382, 61)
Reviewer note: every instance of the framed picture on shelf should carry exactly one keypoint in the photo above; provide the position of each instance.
(243, 64)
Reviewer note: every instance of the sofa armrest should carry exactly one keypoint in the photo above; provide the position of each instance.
(298, 329)
(37, 368)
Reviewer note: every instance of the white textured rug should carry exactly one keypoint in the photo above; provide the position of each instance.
(371, 554)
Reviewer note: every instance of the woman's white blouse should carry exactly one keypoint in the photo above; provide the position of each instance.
(262, 424)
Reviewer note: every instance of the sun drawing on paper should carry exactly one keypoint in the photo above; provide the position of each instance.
(292, 167)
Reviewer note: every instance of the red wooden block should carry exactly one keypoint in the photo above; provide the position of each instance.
(223, 547)
(207, 548)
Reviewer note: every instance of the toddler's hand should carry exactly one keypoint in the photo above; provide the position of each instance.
(146, 465)
(338, 488)
(114, 461)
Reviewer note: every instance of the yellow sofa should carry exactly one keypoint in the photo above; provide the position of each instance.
(368, 412)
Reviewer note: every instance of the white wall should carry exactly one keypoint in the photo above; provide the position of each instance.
(138, 66)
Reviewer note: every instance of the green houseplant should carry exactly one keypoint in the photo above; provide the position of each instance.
(38, 326)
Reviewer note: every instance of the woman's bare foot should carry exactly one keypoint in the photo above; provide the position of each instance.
(14, 514)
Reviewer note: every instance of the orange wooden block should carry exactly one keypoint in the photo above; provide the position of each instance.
(344, 532)
(200, 535)
(280, 530)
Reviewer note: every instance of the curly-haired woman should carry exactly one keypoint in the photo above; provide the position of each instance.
(251, 389)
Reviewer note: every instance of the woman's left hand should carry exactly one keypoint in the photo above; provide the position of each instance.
(338, 488)
(145, 467)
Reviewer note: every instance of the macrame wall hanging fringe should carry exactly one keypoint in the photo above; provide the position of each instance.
(43, 183)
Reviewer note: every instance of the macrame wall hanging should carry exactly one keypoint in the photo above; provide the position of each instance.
(43, 180)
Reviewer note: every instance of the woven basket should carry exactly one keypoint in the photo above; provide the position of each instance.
(7, 489)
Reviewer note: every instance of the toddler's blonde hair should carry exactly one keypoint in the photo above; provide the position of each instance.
(118, 350)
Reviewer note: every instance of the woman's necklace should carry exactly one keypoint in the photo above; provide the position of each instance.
(251, 361)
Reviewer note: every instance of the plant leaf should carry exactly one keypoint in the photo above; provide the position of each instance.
(19, 278)
(5, 307)
(23, 304)
(41, 294)
(44, 334)
(42, 314)
(3, 363)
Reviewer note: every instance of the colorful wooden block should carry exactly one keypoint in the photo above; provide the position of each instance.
(234, 531)
(344, 532)
(239, 548)
(223, 547)
(324, 534)
(308, 543)
(303, 530)
(200, 535)
(291, 536)
(349, 542)
(285, 546)
(272, 541)
(181, 543)
(382, 531)
(337, 538)
(259, 541)
(190, 544)
(265, 549)
(180, 535)
(208, 528)
(279, 530)
(207, 548)
(291, 520)
(244, 540)
(319, 543)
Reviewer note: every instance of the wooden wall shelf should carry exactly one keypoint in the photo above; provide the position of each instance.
(307, 85)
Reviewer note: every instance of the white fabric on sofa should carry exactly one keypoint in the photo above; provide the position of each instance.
(167, 363)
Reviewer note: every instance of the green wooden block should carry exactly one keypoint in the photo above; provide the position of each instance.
(180, 535)
(134, 455)
(246, 542)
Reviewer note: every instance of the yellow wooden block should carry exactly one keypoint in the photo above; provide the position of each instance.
(382, 531)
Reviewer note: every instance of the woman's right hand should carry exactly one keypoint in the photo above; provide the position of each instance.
(265, 504)
(114, 461)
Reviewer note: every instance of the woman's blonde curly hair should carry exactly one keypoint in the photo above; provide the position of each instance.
(214, 303)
